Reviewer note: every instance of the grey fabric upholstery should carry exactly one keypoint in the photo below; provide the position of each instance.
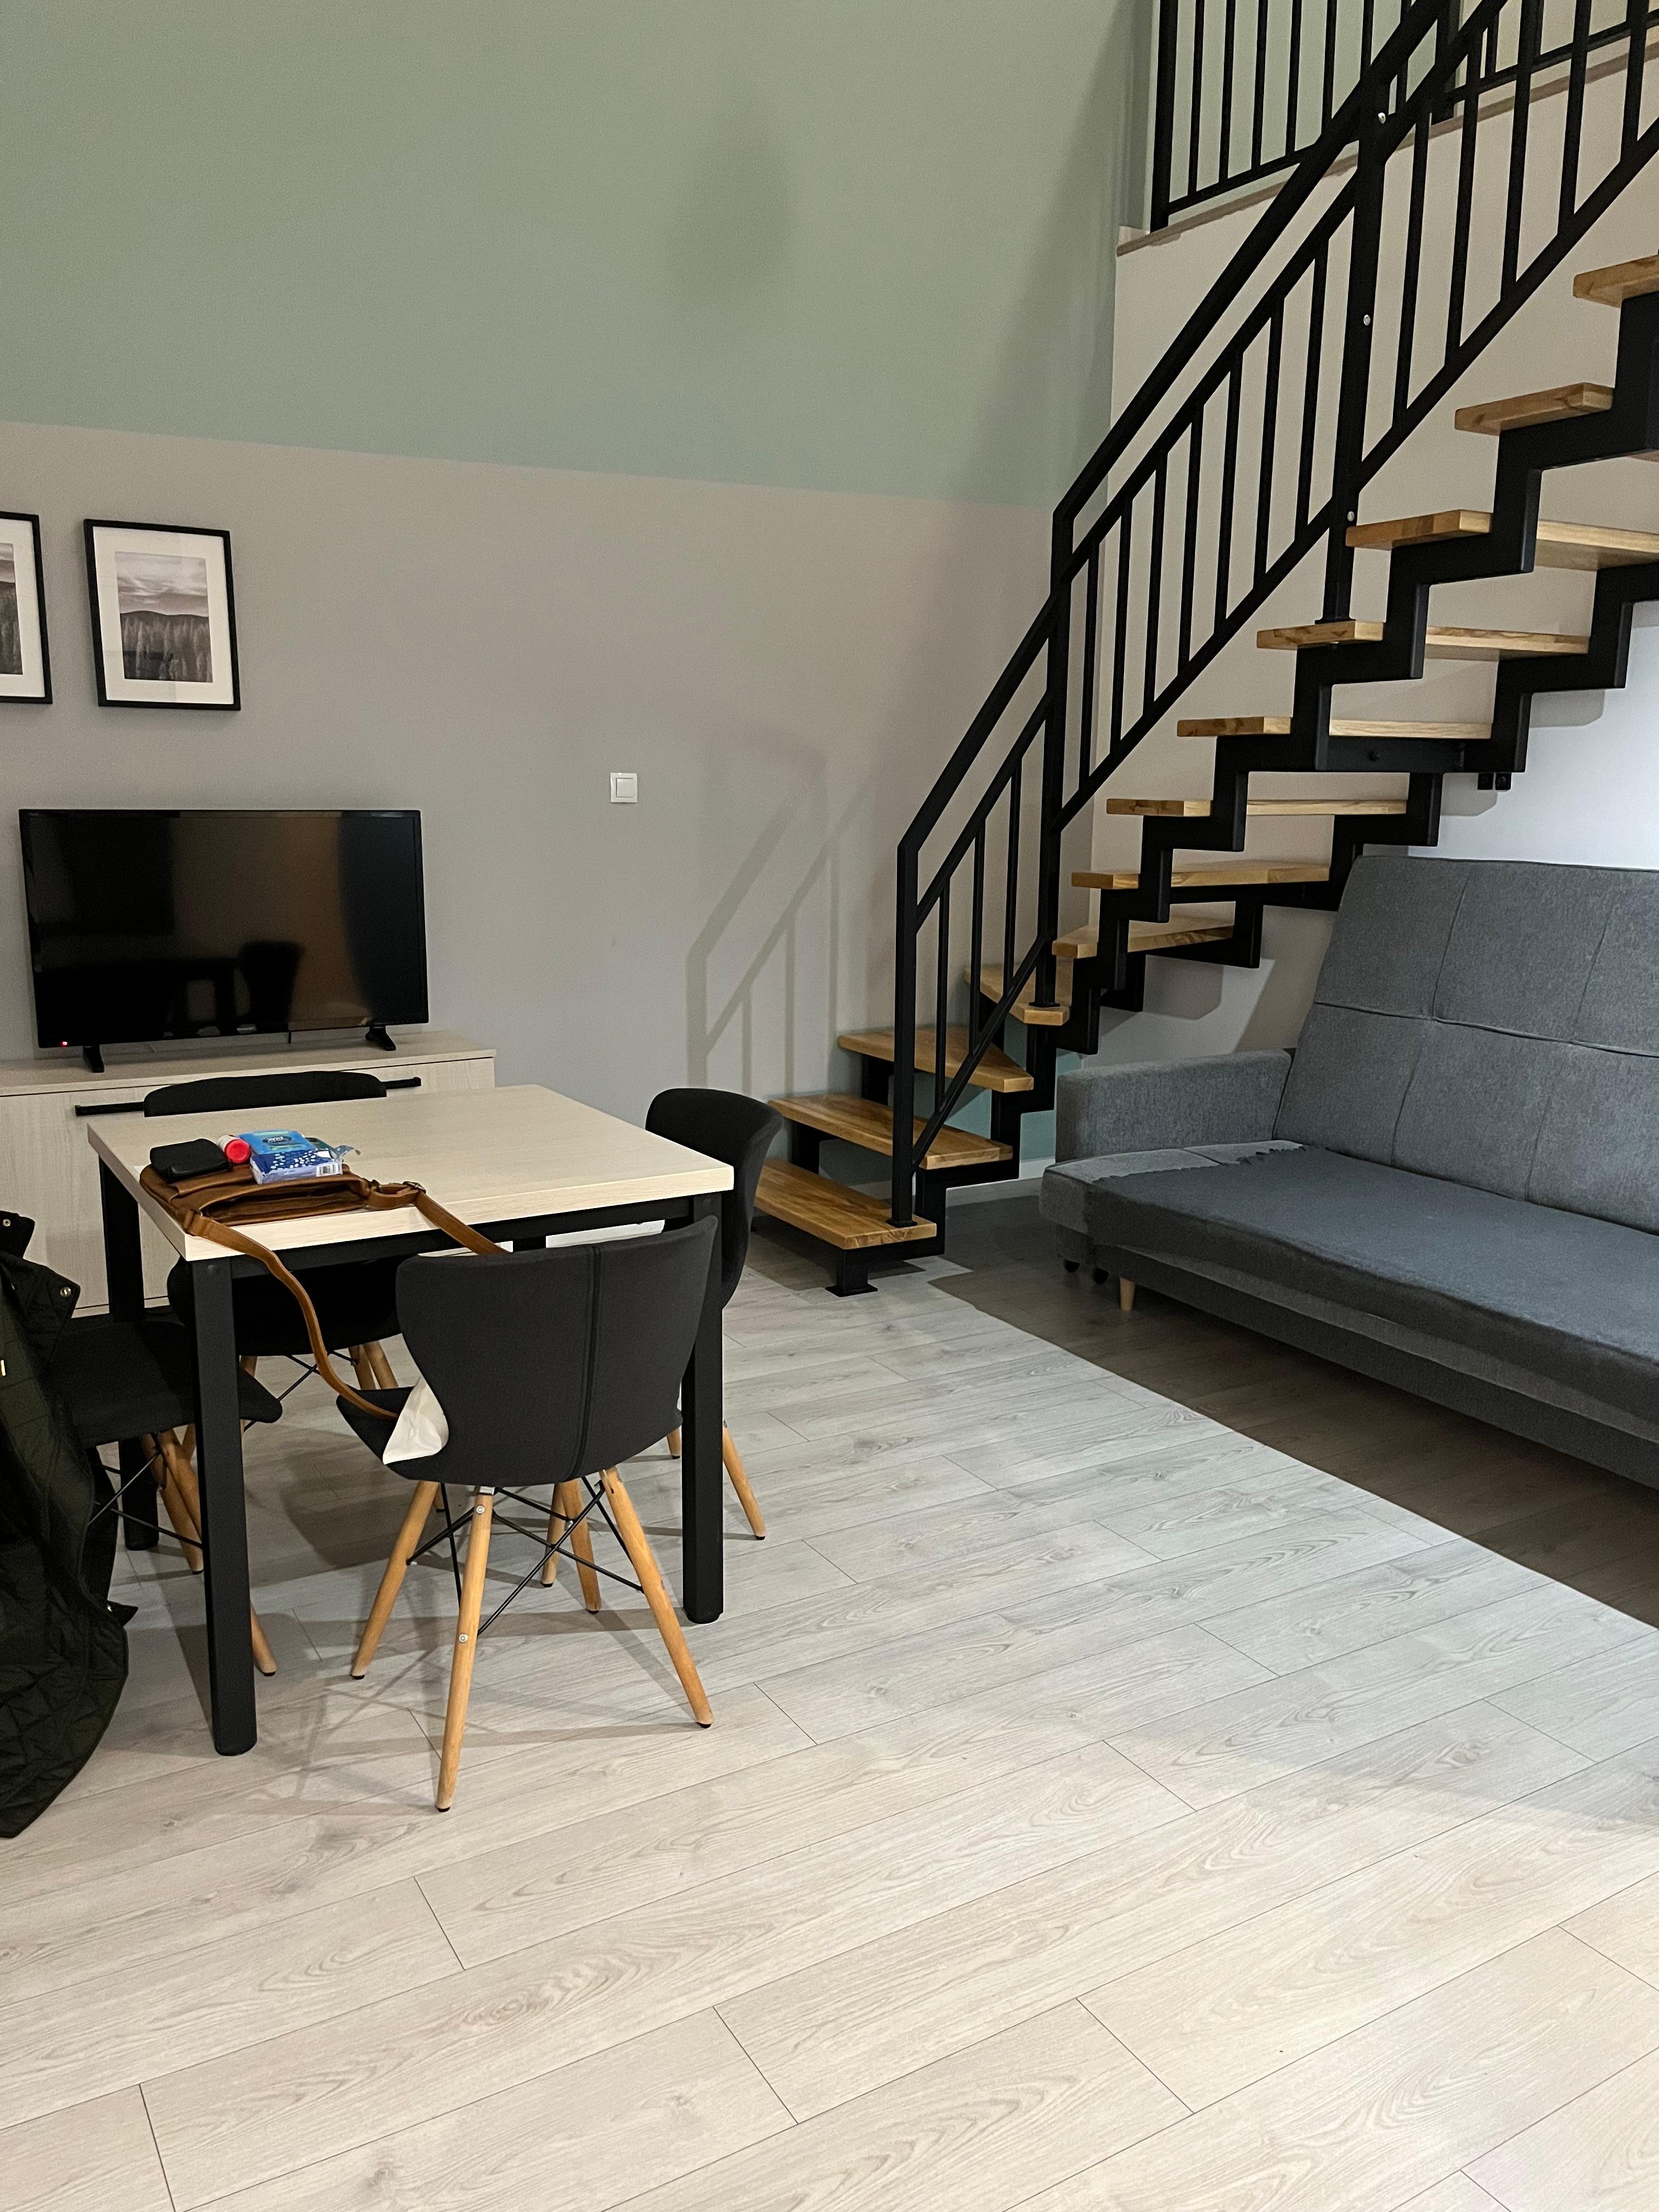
(1560, 1295)
(1493, 1023)
(1154, 1106)
(1463, 1174)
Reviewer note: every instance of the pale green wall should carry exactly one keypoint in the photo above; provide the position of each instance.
(853, 245)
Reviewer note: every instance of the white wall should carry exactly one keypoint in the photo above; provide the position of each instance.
(1591, 792)
(785, 671)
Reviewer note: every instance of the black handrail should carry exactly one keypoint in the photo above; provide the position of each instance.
(1305, 346)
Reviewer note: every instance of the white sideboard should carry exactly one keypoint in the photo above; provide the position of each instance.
(48, 1169)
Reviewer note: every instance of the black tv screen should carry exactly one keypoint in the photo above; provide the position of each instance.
(148, 926)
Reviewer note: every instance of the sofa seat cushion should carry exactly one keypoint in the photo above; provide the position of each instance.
(1566, 1297)
(1067, 1185)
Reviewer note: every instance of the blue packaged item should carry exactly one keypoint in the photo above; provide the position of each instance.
(283, 1155)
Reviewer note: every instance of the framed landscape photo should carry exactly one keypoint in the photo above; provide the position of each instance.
(25, 663)
(163, 615)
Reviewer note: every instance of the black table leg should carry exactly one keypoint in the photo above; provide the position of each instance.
(224, 1510)
(124, 1271)
(703, 1594)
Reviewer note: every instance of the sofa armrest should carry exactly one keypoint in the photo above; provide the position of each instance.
(1158, 1105)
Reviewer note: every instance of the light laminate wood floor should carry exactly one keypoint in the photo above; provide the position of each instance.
(1150, 1770)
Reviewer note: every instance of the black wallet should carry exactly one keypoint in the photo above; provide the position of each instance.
(197, 1156)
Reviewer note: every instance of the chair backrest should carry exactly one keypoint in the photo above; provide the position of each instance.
(1493, 1023)
(241, 1094)
(723, 1124)
(555, 1363)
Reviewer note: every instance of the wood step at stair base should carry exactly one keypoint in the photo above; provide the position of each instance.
(1221, 874)
(1441, 643)
(1582, 545)
(1281, 726)
(868, 1123)
(1490, 418)
(1186, 925)
(847, 1220)
(1198, 810)
(994, 1072)
(1620, 281)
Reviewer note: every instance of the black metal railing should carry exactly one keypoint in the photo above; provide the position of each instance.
(1432, 206)
(1245, 88)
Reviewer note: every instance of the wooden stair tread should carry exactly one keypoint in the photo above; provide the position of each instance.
(1620, 281)
(848, 1219)
(1441, 643)
(1210, 872)
(1279, 726)
(1194, 810)
(995, 1070)
(1491, 418)
(1025, 1008)
(1186, 925)
(1559, 544)
(868, 1123)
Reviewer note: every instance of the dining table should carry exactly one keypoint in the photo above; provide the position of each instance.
(521, 1163)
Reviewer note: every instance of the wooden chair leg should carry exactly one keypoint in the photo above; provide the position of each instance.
(466, 1644)
(673, 1444)
(184, 1510)
(582, 1542)
(739, 1481)
(403, 1550)
(642, 1559)
(1126, 1295)
(557, 1525)
(183, 1528)
(367, 1378)
(382, 1366)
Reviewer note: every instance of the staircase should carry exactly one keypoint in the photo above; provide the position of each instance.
(1336, 332)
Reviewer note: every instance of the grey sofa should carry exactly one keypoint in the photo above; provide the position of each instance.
(1452, 1184)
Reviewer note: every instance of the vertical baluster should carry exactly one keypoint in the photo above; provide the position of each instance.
(1120, 632)
(1164, 115)
(1366, 26)
(1086, 736)
(1328, 88)
(1402, 367)
(1310, 389)
(1154, 589)
(942, 995)
(1353, 401)
(976, 957)
(1636, 20)
(1572, 129)
(1460, 215)
(1228, 63)
(1525, 59)
(1189, 537)
(1010, 874)
(1196, 124)
(1293, 81)
(1269, 432)
(1259, 96)
(1224, 551)
(904, 1039)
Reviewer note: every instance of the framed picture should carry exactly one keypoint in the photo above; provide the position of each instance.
(163, 615)
(25, 663)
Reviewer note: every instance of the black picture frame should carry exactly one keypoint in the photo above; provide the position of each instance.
(39, 691)
(119, 684)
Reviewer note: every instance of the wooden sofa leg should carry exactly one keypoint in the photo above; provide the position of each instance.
(673, 1444)
(1126, 1295)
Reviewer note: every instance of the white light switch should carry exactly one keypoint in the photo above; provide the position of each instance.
(624, 789)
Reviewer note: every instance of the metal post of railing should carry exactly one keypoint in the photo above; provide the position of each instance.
(904, 1040)
(1162, 116)
(1057, 696)
(1348, 466)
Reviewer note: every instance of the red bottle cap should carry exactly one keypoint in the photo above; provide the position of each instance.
(236, 1149)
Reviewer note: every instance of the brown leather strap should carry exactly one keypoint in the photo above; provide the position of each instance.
(377, 1198)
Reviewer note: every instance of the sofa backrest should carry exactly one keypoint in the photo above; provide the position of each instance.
(1494, 1021)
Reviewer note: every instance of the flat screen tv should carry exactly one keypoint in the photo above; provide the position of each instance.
(148, 925)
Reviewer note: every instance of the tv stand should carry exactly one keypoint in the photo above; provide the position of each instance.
(93, 1056)
(376, 1034)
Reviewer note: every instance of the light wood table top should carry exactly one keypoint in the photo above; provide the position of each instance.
(498, 1155)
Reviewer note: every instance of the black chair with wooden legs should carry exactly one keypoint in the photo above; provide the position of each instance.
(355, 1301)
(551, 1368)
(724, 1125)
(131, 1383)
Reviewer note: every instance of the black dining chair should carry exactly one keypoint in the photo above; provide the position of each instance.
(355, 1300)
(724, 1125)
(551, 1367)
(132, 1382)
